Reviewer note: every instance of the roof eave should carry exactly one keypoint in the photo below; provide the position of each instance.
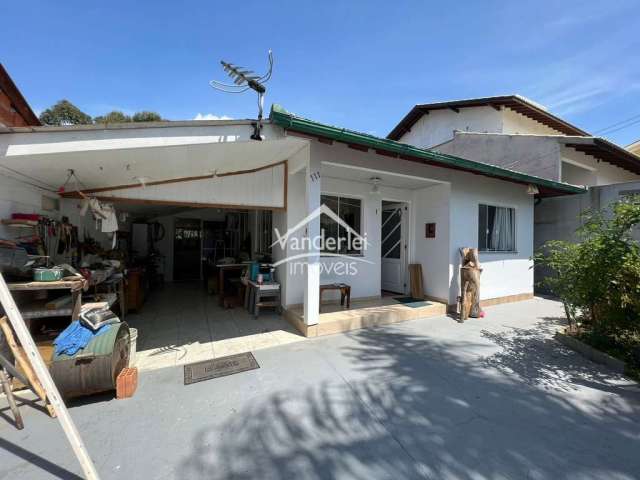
(541, 114)
(17, 99)
(281, 117)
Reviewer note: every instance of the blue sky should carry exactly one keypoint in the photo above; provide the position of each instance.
(360, 65)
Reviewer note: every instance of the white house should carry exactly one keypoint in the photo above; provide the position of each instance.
(411, 205)
(516, 133)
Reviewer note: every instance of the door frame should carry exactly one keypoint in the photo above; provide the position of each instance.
(406, 239)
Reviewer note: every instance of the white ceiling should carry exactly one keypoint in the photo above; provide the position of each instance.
(104, 168)
(346, 172)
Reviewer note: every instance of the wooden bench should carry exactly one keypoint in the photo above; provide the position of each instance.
(345, 292)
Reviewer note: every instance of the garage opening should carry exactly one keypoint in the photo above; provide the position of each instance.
(189, 276)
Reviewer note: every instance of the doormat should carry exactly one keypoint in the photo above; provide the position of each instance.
(219, 367)
(412, 302)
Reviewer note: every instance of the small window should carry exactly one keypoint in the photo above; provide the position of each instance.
(337, 237)
(496, 229)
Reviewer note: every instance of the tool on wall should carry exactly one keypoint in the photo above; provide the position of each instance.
(244, 80)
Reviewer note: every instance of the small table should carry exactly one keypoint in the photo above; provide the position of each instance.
(256, 293)
(345, 292)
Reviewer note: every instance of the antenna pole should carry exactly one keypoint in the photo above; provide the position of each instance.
(257, 126)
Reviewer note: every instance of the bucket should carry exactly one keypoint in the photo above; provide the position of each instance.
(133, 337)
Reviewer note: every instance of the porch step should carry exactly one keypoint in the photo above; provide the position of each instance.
(363, 317)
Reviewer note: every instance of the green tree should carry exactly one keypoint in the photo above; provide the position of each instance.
(115, 116)
(598, 278)
(146, 116)
(64, 113)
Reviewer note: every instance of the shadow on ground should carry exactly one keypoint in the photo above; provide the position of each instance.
(414, 407)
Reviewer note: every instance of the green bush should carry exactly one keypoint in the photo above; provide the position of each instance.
(598, 277)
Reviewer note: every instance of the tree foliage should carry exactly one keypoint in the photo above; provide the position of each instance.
(115, 116)
(64, 113)
(598, 278)
(146, 116)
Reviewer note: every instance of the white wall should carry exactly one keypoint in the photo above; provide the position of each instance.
(606, 174)
(293, 285)
(514, 122)
(18, 197)
(503, 273)
(431, 205)
(576, 175)
(438, 126)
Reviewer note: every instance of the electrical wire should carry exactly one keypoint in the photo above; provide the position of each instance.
(27, 183)
(605, 129)
(608, 132)
(17, 172)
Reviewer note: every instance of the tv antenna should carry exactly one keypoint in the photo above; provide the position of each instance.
(244, 80)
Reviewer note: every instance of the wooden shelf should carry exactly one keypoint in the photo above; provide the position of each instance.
(10, 222)
(57, 285)
(39, 310)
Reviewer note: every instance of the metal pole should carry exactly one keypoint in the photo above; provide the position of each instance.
(33, 355)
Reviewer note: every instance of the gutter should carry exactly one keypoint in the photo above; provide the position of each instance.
(279, 116)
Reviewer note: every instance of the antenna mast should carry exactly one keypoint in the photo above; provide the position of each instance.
(244, 80)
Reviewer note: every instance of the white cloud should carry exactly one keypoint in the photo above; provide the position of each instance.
(211, 116)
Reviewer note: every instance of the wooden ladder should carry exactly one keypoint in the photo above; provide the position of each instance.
(39, 378)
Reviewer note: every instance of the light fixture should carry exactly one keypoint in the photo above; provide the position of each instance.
(375, 188)
(532, 189)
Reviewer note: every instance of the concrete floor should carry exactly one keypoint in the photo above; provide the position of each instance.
(492, 398)
(182, 324)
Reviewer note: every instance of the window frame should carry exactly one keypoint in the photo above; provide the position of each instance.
(514, 228)
(264, 231)
(339, 196)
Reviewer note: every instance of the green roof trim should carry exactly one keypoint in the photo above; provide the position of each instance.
(283, 118)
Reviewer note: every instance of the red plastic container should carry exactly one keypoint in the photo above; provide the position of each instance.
(25, 216)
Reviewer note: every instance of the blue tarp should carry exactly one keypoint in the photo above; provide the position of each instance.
(75, 337)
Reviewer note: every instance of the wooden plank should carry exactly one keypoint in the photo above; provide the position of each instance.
(49, 386)
(415, 280)
(57, 285)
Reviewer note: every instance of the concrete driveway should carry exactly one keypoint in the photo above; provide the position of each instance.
(493, 398)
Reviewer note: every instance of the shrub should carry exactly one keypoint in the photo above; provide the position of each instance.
(598, 277)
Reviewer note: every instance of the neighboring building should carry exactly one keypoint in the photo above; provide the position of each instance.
(412, 205)
(634, 148)
(515, 133)
(14, 109)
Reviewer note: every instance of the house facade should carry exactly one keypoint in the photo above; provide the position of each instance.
(410, 205)
(515, 133)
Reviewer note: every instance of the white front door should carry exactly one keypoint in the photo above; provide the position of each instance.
(393, 247)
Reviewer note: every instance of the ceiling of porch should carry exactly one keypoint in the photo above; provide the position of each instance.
(100, 168)
(364, 175)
